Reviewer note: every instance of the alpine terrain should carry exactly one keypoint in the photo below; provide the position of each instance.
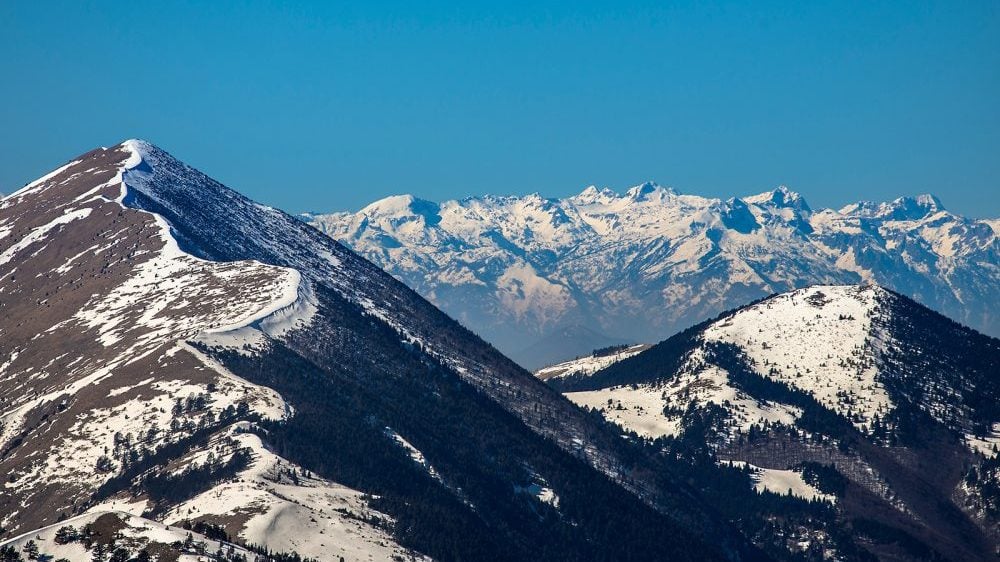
(186, 374)
(546, 279)
(175, 359)
(854, 396)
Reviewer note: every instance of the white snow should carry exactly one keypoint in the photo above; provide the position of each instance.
(780, 337)
(137, 534)
(34, 185)
(541, 492)
(314, 517)
(783, 482)
(639, 410)
(287, 298)
(520, 289)
(988, 445)
(781, 334)
(296, 315)
(589, 364)
(414, 453)
(246, 341)
(655, 410)
(40, 232)
(517, 268)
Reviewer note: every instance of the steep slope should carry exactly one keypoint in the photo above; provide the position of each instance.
(173, 349)
(882, 403)
(97, 381)
(519, 269)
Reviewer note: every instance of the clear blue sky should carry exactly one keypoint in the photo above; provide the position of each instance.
(324, 107)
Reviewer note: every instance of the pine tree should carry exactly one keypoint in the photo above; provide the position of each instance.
(65, 534)
(32, 549)
(104, 464)
(9, 554)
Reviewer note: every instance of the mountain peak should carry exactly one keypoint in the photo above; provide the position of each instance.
(781, 197)
(130, 280)
(137, 144)
(593, 194)
(918, 207)
(649, 191)
(902, 208)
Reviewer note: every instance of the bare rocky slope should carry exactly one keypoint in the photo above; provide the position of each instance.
(171, 349)
(854, 396)
(548, 279)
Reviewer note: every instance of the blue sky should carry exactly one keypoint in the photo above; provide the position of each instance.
(329, 106)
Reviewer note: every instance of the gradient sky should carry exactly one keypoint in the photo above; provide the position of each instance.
(328, 107)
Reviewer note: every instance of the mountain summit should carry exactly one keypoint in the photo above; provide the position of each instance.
(519, 269)
(854, 395)
(171, 350)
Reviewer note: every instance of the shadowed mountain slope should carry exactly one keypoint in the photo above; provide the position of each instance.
(172, 349)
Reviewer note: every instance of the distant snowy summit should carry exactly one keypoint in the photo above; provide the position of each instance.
(638, 266)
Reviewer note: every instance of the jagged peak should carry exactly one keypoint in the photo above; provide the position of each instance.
(593, 191)
(930, 199)
(593, 194)
(912, 207)
(915, 206)
(536, 197)
(734, 203)
(782, 197)
(650, 190)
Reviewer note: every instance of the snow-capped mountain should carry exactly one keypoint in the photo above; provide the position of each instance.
(519, 269)
(854, 392)
(173, 350)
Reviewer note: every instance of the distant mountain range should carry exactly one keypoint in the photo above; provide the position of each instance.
(176, 358)
(549, 279)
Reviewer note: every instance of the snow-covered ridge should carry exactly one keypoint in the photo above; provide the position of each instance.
(517, 269)
(657, 409)
(589, 364)
(291, 305)
(820, 340)
(169, 255)
(128, 296)
(289, 508)
(834, 343)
